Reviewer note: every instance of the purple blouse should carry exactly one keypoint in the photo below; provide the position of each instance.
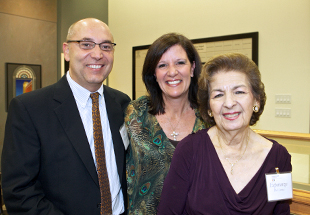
(197, 182)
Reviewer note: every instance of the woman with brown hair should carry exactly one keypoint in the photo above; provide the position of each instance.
(157, 122)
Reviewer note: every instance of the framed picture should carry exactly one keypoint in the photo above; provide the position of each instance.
(246, 44)
(21, 78)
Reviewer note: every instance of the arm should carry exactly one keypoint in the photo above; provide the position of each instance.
(178, 181)
(22, 191)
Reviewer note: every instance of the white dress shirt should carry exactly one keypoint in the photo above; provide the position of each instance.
(84, 104)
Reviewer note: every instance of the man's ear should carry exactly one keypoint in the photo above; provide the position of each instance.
(65, 48)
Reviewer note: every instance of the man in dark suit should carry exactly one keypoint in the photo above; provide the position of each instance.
(49, 159)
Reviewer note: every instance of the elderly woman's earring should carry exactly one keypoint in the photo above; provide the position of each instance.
(255, 108)
(210, 113)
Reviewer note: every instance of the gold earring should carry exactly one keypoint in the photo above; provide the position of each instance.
(210, 113)
(255, 108)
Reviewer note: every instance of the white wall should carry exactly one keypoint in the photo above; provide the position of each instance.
(284, 43)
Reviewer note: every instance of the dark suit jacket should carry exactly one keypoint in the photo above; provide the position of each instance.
(47, 166)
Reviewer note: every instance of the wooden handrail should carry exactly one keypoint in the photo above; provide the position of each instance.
(286, 135)
(300, 202)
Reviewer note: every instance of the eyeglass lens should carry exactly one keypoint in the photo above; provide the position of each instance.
(90, 45)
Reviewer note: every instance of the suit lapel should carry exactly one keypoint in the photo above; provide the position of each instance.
(69, 117)
(116, 119)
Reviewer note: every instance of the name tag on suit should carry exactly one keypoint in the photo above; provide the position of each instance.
(124, 135)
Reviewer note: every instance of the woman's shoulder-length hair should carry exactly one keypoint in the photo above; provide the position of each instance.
(153, 56)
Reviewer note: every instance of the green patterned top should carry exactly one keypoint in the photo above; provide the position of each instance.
(148, 157)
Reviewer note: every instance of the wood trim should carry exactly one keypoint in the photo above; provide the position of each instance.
(286, 135)
(300, 202)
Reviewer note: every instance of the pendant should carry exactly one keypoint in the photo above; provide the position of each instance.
(232, 168)
(174, 134)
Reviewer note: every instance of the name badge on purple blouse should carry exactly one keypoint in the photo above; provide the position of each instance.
(279, 186)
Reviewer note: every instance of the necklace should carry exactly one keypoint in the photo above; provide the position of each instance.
(233, 163)
(174, 134)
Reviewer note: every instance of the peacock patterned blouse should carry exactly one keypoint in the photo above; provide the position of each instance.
(148, 157)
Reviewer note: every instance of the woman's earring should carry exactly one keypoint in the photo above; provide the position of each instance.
(255, 108)
(210, 113)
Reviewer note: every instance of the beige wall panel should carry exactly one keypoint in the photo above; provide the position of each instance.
(29, 41)
(37, 9)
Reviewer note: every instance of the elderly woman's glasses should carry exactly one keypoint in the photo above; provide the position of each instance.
(88, 45)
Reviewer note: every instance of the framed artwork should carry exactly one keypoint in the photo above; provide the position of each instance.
(21, 78)
(246, 44)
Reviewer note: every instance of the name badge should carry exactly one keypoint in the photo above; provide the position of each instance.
(124, 135)
(279, 186)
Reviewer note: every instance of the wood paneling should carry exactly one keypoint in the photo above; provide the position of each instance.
(37, 9)
(301, 202)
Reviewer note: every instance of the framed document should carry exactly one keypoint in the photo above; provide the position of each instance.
(246, 44)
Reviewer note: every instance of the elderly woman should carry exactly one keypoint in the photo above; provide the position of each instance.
(156, 123)
(222, 170)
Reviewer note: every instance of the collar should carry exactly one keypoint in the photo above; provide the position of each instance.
(81, 94)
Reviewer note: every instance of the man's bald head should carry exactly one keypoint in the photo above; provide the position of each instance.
(88, 22)
(90, 66)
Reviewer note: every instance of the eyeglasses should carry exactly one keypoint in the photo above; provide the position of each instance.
(88, 45)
